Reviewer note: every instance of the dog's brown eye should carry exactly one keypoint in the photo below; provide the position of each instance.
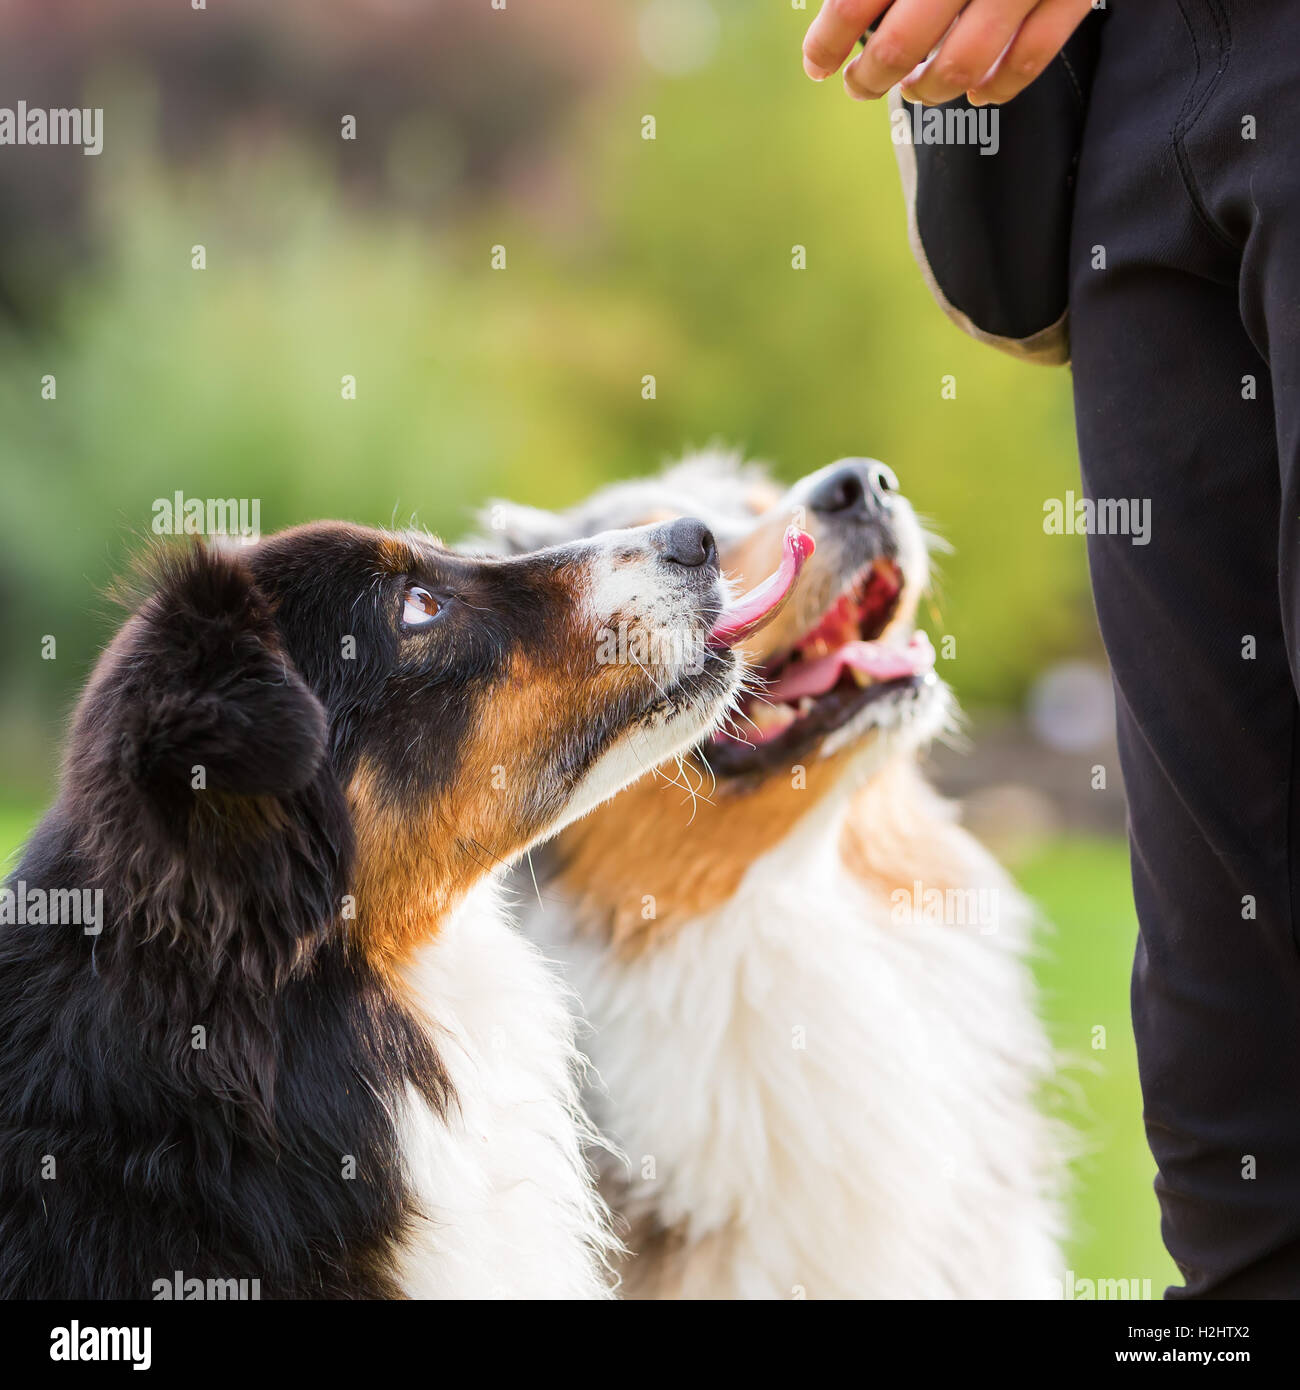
(418, 607)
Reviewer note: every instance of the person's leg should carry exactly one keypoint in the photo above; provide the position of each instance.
(1246, 155)
(1194, 630)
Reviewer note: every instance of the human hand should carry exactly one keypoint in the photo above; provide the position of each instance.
(990, 49)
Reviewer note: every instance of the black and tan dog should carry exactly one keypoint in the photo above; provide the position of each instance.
(300, 1047)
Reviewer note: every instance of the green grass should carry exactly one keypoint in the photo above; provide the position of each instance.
(1082, 887)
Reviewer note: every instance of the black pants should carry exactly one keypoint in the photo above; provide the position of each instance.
(1186, 348)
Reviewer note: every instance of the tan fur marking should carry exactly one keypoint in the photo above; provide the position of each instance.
(405, 883)
(649, 843)
(900, 831)
(415, 866)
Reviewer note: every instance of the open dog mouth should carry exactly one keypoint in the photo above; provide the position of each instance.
(836, 669)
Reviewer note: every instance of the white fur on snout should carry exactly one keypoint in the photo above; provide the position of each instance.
(628, 582)
(647, 613)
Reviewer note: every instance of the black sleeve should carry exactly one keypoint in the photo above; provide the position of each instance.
(989, 202)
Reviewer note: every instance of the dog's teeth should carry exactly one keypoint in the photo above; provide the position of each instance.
(805, 705)
(770, 716)
(861, 677)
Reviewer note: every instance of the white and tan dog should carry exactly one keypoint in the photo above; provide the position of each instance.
(809, 1008)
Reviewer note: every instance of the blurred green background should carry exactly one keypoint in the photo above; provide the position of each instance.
(523, 129)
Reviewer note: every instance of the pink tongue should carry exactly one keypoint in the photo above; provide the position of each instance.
(753, 609)
(875, 659)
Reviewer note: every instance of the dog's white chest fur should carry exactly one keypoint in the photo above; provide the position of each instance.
(507, 1206)
(816, 1101)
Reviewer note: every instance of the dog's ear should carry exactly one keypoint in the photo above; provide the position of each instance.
(201, 693)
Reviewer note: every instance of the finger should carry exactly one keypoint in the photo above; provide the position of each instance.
(983, 29)
(831, 36)
(1040, 38)
(906, 35)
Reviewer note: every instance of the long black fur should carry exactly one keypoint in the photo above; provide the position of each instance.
(221, 909)
(203, 794)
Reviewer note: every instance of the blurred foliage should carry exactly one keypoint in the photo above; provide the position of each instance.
(625, 257)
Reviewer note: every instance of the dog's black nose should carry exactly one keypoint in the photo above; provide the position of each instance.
(688, 542)
(856, 487)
